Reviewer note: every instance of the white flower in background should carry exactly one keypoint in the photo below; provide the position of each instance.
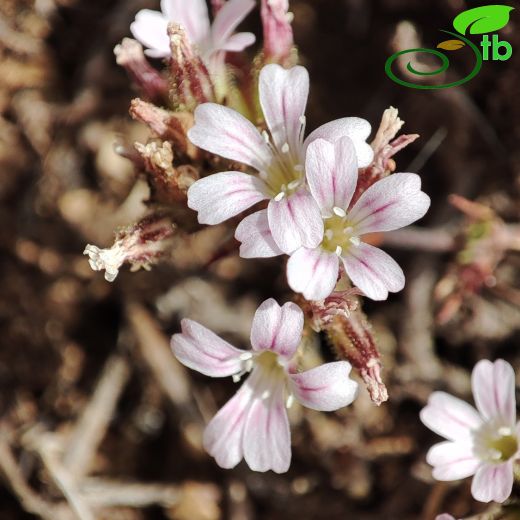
(332, 176)
(150, 27)
(253, 425)
(278, 156)
(482, 442)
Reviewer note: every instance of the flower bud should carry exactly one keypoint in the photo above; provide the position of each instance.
(278, 34)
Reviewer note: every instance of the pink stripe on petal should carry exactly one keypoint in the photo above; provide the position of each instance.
(283, 97)
(332, 173)
(200, 349)
(223, 131)
(255, 236)
(325, 388)
(312, 272)
(354, 127)
(493, 482)
(295, 221)
(452, 460)
(373, 271)
(267, 437)
(391, 203)
(450, 417)
(228, 18)
(223, 195)
(277, 328)
(493, 387)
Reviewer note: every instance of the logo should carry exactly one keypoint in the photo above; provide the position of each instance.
(478, 21)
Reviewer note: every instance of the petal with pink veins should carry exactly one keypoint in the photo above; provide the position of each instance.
(493, 482)
(202, 350)
(493, 387)
(276, 328)
(332, 173)
(452, 460)
(354, 127)
(450, 417)
(267, 437)
(312, 272)
(223, 195)
(255, 236)
(150, 28)
(223, 437)
(283, 97)
(295, 221)
(373, 271)
(227, 20)
(390, 203)
(325, 388)
(238, 42)
(192, 15)
(225, 132)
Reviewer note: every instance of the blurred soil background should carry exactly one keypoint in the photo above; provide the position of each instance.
(97, 419)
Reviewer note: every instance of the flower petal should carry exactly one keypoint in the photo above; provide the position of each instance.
(192, 15)
(493, 387)
(223, 131)
(373, 271)
(312, 272)
(452, 460)
(224, 433)
(332, 173)
(283, 98)
(450, 417)
(223, 195)
(202, 350)
(267, 437)
(227, 20)
(493, 482)
(354, 127)
(295, 221)
(150, 28)
(277, 328)
(325, 388)
(391, 203)
(238, 42)
(255, 236)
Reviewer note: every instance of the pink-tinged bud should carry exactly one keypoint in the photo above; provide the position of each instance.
(278, 33)
(191, 81)
(352, 339)
(385, 147)
(168, 126)
(129, 54)
(216, 6)
(168, 184)
(140, 245)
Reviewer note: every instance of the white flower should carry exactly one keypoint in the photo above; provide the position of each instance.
(253, 424)
(292, 216)
(482, 442)
(150, 27)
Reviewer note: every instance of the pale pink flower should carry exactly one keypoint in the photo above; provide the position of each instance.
(445, 516)
(292, 215)
(481, 442)
(253, 425)
(150, 27)
(332, 176)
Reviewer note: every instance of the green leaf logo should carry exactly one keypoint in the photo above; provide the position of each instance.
(451, 45)
(481, 20)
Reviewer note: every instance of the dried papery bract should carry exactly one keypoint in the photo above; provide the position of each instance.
(140, 245)
(129, 54)
(278, 33)
(352, 338)
(191, 80)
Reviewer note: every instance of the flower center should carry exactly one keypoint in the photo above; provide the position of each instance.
(495, 443)
(339, 235)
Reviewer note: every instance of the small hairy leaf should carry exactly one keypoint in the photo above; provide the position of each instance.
(481, 20)
(451, 45)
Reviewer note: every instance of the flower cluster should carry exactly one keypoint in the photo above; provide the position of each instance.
(310, 185)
